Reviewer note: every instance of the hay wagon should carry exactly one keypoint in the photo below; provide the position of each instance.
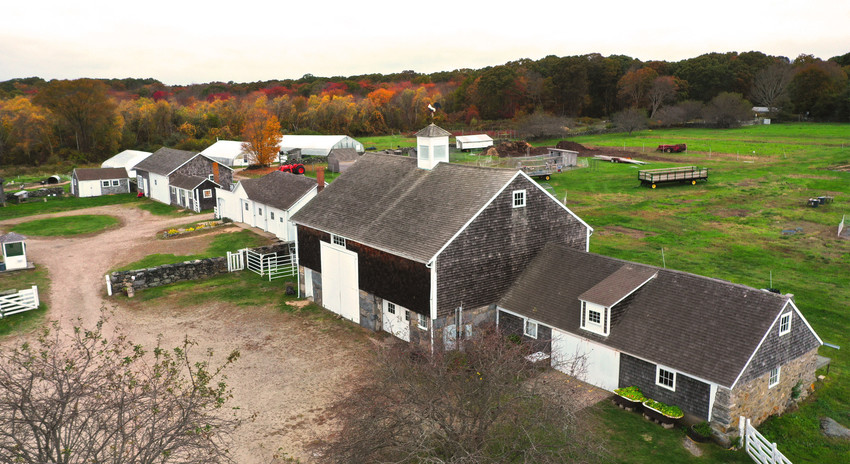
(685, 174)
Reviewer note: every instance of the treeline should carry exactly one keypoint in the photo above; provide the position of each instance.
(87, 120)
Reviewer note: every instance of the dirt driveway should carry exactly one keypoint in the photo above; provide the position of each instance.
(290, 368)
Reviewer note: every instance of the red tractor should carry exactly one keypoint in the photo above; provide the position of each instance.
(677, 148)
(294, 168)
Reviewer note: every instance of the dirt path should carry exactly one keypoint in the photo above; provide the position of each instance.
(290, 368)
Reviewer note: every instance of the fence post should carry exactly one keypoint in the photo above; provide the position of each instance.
(35, 295)
(108, 285)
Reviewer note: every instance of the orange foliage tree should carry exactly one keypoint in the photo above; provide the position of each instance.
(261, 137)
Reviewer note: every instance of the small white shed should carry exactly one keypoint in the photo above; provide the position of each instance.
(14, 251)
(228, 153)
(473, 141)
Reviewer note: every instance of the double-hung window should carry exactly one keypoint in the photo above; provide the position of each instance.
(773, 380)
(519, 198)
(530, 329)
(785, 324)
(665, 378)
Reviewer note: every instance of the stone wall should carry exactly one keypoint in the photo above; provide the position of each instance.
(140, 279)
(42, 192)
(756, 401)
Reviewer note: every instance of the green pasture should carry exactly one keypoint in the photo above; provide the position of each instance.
(731, 227)
(219, 246)
(59, 204)
(22, 280)
(66, 225)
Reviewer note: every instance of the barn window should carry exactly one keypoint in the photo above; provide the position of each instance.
(774, 377)
(594, 316)
(271, 214)
(665, 378)
(530, 329)
(207, 193)
(519, 198)
(174, 191)
(115, 183)
(390, 307)
(785, 324)
(337, 240)
(422, 321)
(104, 183)
(246, 206)
(281, 219)
(407, 315)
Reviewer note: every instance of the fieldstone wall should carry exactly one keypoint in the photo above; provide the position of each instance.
(42, 192)
(140, 279)
(756, 401)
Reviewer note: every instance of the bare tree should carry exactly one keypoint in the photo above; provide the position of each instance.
(540, 125)
(630, 119)
(770, 86)
(663, 90)
(478, 404)
(727, 110)
(83, 398)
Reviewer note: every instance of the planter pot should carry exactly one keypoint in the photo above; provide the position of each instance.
(693, 435)
(660, 417)
(626, 403)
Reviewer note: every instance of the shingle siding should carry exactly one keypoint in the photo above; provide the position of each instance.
(691, 395)
(502, 240)
(777, 350)
(202, 167)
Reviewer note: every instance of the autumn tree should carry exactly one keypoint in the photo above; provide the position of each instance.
(88, 116)
(83, 397)
(635, 85)
(261, 138)
(25, 132)
(482, 403)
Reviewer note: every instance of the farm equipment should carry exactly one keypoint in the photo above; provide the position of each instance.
(541, 166)
(294, 168)
(686, 174)
(677, 148)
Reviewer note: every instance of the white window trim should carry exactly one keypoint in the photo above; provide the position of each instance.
(771, 381)
(211, 177)
(104, 183)
(781, 319)
(391, 307)
(207, 193)
(600, 328)
(526, 324)
(518, 195)
(338, 240)
(116, 182)
(422, 321)
(658, 370)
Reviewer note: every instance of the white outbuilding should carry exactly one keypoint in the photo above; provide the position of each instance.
(267, 202)
(127, 159)
(94, 182)
(228, 153)
(318, 145)
(473, 141)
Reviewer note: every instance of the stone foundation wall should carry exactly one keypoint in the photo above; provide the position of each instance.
(140, 279)
(756, 401)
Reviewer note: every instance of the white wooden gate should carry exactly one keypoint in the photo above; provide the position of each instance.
(235, 261)
(273, 265)
(758, 447)
(24, 300)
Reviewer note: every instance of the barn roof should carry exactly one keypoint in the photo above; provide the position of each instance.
(12, 237)
(126, 159)
(474, 138)
(278, 189)
(433, 130)
(224, 149)
(386, 202)
(343, 154)
(188, 182)
(100, 173)
(667, 321)
(165, 160)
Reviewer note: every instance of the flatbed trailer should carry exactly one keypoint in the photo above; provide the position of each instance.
(685, 174)
(540, 166)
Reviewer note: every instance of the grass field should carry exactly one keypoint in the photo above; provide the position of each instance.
(21, 280)
(59, 204)
(219, 246)
(731, 228)
(66, 225)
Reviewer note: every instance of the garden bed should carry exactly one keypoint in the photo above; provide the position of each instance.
(193, 228)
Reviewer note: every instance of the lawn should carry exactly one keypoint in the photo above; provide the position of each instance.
(731, 228)
(59, 204)
(66, 225)
(219, 246)
(21, 280)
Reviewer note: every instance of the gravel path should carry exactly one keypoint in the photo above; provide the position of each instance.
(290, 368)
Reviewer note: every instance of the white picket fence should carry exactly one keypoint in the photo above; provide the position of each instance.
(273, 265)
(758, 447)
(23, 300)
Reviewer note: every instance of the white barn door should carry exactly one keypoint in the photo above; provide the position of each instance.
(396, 320)
(600, 365)
(340, 292)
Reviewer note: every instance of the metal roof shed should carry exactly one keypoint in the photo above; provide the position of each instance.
(318, 145)
(469, 142)
(227, 152)
(127, 159)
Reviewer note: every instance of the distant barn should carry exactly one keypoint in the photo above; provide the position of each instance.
(340, 158)
(228, 153)
(474, 141)
(127, 159)
(318, 145)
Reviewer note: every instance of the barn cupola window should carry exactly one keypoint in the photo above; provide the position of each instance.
(432, 147)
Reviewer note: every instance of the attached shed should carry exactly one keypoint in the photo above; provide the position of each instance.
(192, 192)
(14, 251)
(127, 159)
(340, 159)
(473, 141)
(716, 349)
(318, 145)
(94, 182)
(567, 157)
(228, 153)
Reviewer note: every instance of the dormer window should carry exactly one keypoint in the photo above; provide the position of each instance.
(594, 318)
(519, 198)
(785, 324)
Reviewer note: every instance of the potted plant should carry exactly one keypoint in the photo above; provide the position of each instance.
(629, 398)
(700, 433)
(664, 414)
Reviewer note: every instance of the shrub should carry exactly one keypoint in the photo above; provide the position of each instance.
(703, 429)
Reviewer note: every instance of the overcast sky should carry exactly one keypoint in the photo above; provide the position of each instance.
(181, 42)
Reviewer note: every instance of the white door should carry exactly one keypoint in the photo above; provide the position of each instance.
(244, 207)
(260, 216)
(396, 320)
(340, 281)
(587, 361)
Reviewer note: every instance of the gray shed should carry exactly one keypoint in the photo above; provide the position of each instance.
(341, 155)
